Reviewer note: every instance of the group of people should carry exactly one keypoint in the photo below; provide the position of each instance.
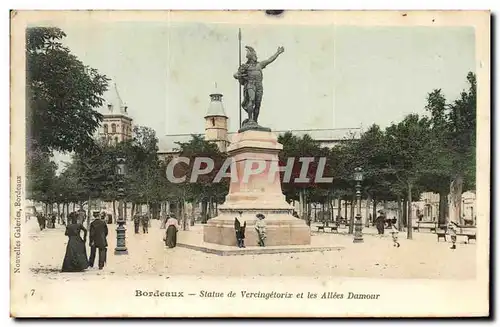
(141, 219)
(260, 227)
(47, 221)
(75, 259)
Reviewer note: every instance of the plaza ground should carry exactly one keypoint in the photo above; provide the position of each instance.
(422, 258)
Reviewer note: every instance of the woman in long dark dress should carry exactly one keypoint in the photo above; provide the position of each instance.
(76, 259)
(171, 233)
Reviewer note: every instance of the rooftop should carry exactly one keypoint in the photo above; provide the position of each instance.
(167, 143)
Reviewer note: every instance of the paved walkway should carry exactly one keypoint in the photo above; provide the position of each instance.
(421, 257)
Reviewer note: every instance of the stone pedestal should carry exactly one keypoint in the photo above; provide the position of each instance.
(259, 192)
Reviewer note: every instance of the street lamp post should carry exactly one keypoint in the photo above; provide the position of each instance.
(358, 225)
(121, 248)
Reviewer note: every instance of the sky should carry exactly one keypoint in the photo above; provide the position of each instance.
(328, 76)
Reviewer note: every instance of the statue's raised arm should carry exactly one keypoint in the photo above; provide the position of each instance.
(266, 62)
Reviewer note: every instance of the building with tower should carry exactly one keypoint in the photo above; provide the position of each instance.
(216, 122)
(116, 125)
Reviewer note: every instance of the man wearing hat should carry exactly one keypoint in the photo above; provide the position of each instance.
(260, 227)
(97, 238)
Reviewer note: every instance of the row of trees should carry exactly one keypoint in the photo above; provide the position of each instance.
(434, 152)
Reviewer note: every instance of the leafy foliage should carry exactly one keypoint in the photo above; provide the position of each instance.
(61, 94)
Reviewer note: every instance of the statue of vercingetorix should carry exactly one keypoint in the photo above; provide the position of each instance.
(250, 76)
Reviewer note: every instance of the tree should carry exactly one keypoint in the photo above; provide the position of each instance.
(61, 94)
(410, 150)
(203, 190)
(41, 176)
(454, 127)
(309, 191)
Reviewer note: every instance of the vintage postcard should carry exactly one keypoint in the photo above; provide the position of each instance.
(250, 164)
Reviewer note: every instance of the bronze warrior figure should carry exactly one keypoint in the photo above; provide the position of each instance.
(250, 76)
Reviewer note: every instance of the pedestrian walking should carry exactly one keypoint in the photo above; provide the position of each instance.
(98, 241)
(53, 221)
(137, 222)
(380, 223)
(145, 223)
(41, 220)
(453, 234)
(394, 233)
(75, 259)
(171, 234)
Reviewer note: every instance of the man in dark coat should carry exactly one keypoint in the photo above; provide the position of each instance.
(240, 233)
(145, 223)
(97, 237)
(137, 222)
(380, 222)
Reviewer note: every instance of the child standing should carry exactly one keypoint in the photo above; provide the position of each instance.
(453, 233)
(260, 226)
(394, 233)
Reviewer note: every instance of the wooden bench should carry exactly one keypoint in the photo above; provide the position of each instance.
(441, 233)
(468, 235)
(431, 225)
(332, 228)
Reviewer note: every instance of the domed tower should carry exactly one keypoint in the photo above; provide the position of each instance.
(116, 126)
(216, 122)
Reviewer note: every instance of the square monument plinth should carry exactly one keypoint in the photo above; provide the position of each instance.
(255, 188)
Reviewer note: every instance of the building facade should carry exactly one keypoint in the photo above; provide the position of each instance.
(116, 126)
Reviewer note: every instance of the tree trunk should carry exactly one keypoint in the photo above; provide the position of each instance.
(204, 206)
(88, 213)
(191, 221)
(185, 225)
(345, 209)
(178, 210)
(308, 212)
(409, 230)
(339, 209)
(134, 205)
(455, 208)
(302, 205)
(114, 211)
(400, 216)
(163, 210)
(405, 213)
(59, 213)
(443, 203)
(323, 211)
(74, 207)
(367, 210)
(374, 210)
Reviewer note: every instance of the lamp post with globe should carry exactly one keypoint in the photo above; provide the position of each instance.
(358, 225)
(121, 247)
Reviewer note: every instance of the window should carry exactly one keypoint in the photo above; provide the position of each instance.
(213, 121)
(113, 128)
(116, 140)
(105, 128)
